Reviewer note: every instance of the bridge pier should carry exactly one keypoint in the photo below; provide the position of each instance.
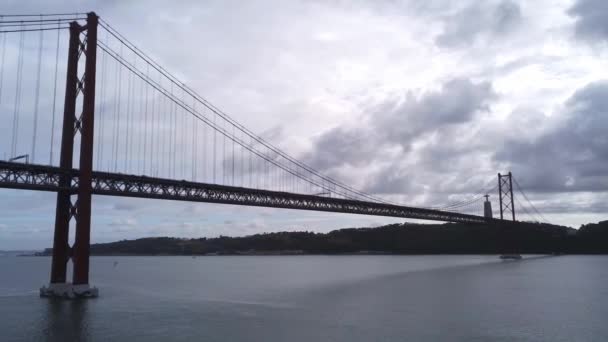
(81, 209)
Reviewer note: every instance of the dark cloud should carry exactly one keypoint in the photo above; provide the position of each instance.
(456, 151)
(395, 125)
(403, 146)
(481, 19)
(591, 19)
(572, 154)
(344, 146)
(457, 102)
(452, 164)
(392, 180)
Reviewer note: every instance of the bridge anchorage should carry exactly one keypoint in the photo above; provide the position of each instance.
(162, 145)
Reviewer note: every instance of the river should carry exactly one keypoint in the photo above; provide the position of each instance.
(314, 298)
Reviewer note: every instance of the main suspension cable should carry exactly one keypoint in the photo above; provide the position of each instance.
(224, 116)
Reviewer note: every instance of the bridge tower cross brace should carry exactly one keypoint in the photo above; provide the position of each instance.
(505, 195)
(80, 209)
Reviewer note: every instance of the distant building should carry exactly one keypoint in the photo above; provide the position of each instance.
(487, 207)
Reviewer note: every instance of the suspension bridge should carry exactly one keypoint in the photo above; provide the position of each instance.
(71, 82)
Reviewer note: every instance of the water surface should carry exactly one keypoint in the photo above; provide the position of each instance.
(314, 298)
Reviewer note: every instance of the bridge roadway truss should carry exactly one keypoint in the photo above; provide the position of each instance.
(47, 178)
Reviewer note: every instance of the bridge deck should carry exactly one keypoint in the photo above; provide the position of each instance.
(48, 178)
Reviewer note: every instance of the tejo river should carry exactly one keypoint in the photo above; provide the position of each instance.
(314, 298)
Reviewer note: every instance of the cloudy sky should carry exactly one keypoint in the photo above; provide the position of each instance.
(416, 101)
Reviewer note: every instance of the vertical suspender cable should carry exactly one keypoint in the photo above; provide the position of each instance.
(165, 149)
(154, 134)
(204, 157)
(233, 157)
(115, 116)
(214, 149)
(130, 130)
(140, 137)
(242, 162)
(102, 107)
(160, 112)
(15, 137)
(239, 174)
(267, 172)
(2, 62)
(128, 122)
(174, 152)
(183, 140)
(132, 116)
(194, 143)
(167, 110)
(54, 96)
(119, 112)
(37, 98)
(177, 135)
(222, 159)
(167, 116)
(250, 164)
(179, 148)
(146, 118)
(153, 138)
(171, 133)
(99, 113)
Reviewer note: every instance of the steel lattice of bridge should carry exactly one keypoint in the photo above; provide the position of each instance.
(138, 131)
(48, 178)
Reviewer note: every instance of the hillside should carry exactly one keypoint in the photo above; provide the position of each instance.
(446, 238)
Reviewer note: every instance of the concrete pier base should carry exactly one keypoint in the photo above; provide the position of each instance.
(69, 291)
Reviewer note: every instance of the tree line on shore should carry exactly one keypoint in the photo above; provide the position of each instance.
(407, 238)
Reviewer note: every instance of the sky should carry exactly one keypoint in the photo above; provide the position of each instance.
(415, 101)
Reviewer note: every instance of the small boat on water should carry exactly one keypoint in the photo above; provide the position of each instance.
(510, 256)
